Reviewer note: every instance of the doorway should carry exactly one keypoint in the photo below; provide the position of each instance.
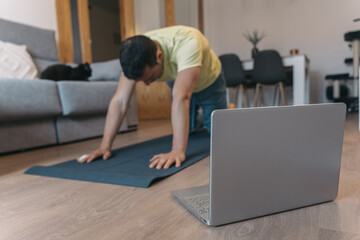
(94, 26)
(105, 29)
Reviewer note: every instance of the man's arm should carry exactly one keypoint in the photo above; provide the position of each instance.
(182, 91)
(115, 115)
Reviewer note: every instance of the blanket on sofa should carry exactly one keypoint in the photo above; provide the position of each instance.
(129, 165)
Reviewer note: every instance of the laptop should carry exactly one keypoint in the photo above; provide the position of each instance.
(268, 160)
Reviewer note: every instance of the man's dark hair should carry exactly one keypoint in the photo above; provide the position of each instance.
(135, 53)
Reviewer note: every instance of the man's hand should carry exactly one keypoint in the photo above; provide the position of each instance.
(167, 159)
(114, 117)
(104, 152)
(182, 91)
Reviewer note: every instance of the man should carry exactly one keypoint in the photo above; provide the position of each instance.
(182, 56)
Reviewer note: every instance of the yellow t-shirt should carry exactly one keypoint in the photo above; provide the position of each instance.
(183, 48)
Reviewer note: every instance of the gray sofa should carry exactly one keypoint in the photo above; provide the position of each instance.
(36, 113)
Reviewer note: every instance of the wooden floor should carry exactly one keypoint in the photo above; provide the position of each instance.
(33, 207)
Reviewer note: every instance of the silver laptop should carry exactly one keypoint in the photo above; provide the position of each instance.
(269, 160)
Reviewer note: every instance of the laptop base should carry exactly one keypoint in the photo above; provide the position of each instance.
(183, 196)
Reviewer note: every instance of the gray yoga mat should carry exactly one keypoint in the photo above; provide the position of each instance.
(129, 165)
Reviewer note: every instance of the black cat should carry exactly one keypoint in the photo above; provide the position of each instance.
(60, 72)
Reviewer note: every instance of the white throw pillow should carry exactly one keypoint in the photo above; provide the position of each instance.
(16, 62)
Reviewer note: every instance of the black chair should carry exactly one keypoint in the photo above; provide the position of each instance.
(269, 70)
(235, 76)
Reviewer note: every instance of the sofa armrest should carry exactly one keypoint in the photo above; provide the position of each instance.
(106, 71)
(28, 99)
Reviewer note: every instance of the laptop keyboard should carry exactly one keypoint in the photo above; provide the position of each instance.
(199, 203)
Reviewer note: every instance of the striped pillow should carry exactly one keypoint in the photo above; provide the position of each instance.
(16, 62)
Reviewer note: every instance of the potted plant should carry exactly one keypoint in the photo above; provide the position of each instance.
(254, 38)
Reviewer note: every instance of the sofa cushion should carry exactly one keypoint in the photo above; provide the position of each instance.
(16, 62)
(24, 99)
(106, 71)
(80, 98)
(42, 64)
(81, 127)
(40, 42)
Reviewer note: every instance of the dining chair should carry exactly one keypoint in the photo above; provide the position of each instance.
(235, 77)
(269, 70)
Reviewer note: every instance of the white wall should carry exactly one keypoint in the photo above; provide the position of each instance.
(186, 13)
(149, 15)
(315, 27)
(38, 13)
